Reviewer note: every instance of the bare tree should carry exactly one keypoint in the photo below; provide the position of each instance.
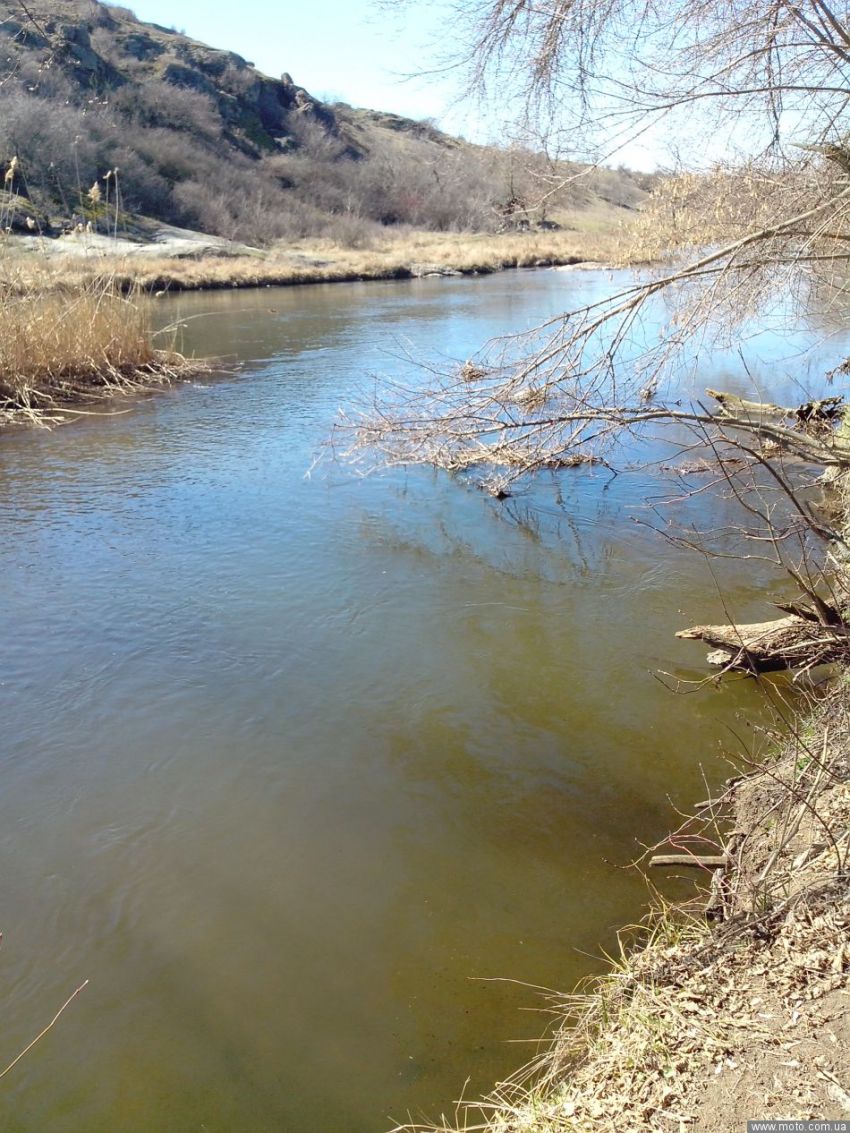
(774, 78)
(609, 68)
(777, 73)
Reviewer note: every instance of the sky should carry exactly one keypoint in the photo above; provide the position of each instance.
(336, 49)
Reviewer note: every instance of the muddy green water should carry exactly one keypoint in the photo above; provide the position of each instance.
(300, 772)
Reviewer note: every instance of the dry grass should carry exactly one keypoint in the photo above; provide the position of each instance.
(62, 348)
(396, 256)
(77, 326)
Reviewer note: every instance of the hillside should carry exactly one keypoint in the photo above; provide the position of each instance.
(169, 128)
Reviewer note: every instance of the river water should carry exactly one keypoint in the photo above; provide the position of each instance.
(310, 775)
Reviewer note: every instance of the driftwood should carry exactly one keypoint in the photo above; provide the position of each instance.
(811, 431)
(698, 861)
(715, 909)
(710, 804)
(730, 404)
(784, 643)
(826, 410)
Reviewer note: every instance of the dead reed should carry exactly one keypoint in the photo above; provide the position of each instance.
(60, 349)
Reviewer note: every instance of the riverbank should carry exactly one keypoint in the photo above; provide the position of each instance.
(735, 1004)
(70, 262)
(78, 325)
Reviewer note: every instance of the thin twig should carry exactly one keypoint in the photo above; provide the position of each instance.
(41, 1034)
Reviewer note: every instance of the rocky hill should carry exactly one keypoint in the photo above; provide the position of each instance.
(104, 112)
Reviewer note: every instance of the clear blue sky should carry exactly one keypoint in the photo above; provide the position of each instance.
(353, 52)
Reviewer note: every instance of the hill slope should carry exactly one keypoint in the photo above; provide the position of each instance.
(196, 136)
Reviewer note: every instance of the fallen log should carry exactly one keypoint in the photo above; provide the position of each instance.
(698, 861)
(827, 409)
(730, 403)
(784, 643)
(811, 431)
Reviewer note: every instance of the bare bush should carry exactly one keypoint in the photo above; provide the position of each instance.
(160, 103)
(726, 245)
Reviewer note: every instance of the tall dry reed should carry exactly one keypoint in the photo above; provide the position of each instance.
(64, 347)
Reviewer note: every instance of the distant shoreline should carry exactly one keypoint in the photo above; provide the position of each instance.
(176, 282)
(39, 264)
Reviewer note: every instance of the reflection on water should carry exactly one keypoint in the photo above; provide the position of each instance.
(295, 768)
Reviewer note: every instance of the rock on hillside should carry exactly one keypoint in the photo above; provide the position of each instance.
(103, 49)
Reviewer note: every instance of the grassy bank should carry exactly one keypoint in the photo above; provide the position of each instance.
(63, 349)
(77, 323)
(398, 255)
(735, 1005)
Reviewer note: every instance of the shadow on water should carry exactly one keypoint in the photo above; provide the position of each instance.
(294, 767)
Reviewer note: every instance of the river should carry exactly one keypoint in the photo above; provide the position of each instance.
(312, 775)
